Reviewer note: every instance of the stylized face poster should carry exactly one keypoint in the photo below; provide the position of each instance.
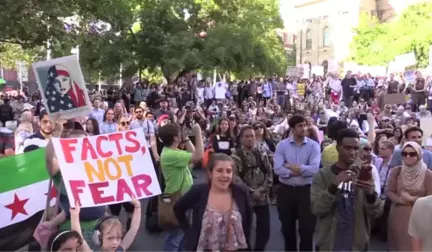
(62, 87)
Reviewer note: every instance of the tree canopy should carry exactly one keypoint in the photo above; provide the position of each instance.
(172, 36)
(378, 44)
(229, 35)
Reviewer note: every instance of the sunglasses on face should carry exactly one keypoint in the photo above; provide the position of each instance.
(125, 123)
(367, 149)
(258, 127)
(409, 154)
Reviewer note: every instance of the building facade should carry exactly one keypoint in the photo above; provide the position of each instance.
(325, 29)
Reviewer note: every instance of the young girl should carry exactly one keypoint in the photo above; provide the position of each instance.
(109, 231)
(70, 241)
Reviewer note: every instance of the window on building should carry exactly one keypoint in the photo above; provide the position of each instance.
(326, 36)
(308, 39)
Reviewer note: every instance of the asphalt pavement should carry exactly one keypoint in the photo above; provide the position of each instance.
(145, 241)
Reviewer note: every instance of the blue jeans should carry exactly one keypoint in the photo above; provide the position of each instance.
(174, 240)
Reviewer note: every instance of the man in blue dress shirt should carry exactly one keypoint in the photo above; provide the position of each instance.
(296, 161)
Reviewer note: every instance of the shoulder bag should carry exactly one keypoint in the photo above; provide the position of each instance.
(166, 201)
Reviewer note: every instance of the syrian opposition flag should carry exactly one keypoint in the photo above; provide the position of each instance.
(23, 193)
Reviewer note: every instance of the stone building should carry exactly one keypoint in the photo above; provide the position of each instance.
(325, 27)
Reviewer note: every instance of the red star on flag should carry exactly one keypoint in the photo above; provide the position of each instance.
(17, 206)
(52, 193)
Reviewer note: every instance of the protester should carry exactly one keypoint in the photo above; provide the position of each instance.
(24, 130)
(412, 134)
(235, 117)
(255, 171)
(296, 161)
(344, 205)
(406, 184)
(222, 214)
(92, 127)
(63, 241)
(175, 169)
(418, 229)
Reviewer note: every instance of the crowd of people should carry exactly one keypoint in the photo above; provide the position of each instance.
(340, 166)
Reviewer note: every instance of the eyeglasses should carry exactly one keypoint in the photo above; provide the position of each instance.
(367, 149)
(258, 127)
(409, 154)
(124, 123)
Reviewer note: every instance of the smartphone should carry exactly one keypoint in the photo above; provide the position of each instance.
(365, 173)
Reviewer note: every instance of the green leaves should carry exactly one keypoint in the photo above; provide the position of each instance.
(169, 36)
(378, 44)
(239, 36)
(11, 53)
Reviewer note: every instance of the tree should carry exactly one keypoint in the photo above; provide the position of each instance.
(11, 53)
(228, 35)
(31, 23)
(378, 44)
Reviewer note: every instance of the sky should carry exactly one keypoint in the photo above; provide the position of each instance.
(287, 9)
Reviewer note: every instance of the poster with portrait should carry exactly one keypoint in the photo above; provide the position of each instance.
(62, 87)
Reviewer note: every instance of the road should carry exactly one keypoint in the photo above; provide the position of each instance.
(154, 242)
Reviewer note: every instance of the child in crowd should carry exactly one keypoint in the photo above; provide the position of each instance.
(109, 233)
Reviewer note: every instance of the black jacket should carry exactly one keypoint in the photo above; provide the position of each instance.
(196, 200)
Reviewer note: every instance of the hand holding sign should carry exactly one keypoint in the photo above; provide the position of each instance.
(107, 169)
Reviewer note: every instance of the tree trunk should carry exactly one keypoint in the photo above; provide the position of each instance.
(172, 77)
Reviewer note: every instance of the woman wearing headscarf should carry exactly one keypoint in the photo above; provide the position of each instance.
(407, 183)
(24, 130)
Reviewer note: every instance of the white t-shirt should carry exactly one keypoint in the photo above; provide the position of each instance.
(220, 90)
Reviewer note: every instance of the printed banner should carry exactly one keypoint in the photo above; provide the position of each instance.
(62, 87)
(107, 169)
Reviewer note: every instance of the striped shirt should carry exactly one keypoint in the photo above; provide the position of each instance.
(37, 140)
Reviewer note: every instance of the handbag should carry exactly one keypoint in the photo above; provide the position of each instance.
(166, 201)
(43, 233)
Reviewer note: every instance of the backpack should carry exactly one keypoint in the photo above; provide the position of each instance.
(258, 157)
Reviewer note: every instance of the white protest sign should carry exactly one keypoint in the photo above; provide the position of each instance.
(318, 70)
(306, 71)
(107, 169)
(62, 86)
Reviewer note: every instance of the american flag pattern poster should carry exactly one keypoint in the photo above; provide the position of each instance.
(62, 87)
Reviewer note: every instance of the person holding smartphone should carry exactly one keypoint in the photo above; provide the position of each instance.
(344, 201)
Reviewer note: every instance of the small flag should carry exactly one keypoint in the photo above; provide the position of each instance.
(23, 193)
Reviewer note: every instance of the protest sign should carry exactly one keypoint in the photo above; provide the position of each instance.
(393, 99)
(62, 87)
(318, 70)
(107, 169)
